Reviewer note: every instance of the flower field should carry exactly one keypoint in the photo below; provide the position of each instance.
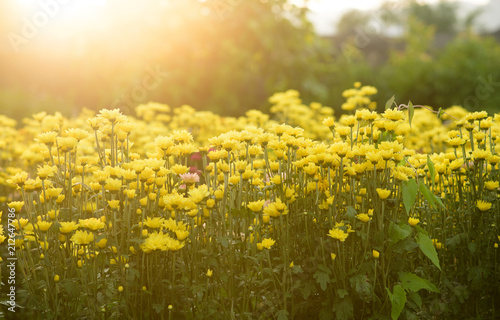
(296, 214)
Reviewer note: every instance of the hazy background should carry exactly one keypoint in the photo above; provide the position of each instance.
(231, 55)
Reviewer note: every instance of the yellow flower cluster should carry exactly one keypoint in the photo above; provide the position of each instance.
(142, 189)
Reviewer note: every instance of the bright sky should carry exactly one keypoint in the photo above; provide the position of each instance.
(325, 13)
(79, 15)
(329, 5)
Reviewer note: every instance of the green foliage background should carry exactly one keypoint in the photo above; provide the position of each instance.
(230, 56)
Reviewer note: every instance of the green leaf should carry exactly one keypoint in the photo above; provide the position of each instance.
(342, 293)
(404, 246)
(72, 288)
(415, 297)
(351, 212)
(440, 113)
(389, 102)
(306, 290)
(322, 278)
(326, 313)
(223, 241)
(432, 170)
(132, 274)
(421, 230)
(428, 249)
(429, 196)
(410, 190)
(398, 233)
(411, 111)
(456, 240)
(344, 309)
(361, 284)
(402, 162)
(472, 247)
(158, 307)
(398, 300)
(283, 315)
(414, 283)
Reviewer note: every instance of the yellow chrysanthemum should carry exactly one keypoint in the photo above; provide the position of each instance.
(483, 205)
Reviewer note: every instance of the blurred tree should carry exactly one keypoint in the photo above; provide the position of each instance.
(222, 55)
(352, 20)
(443, 15)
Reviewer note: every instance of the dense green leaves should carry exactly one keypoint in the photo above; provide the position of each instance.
(410, 190)
(390, 102)
(432, 170)
(427, 248)
(322, 276)
(429, 196)
(411, 112)
(399, 232)
(414, 283)
(398, 300)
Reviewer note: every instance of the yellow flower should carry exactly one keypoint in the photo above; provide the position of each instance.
(179, 169)
(209, 273)
(256, 206)
(47, 138)
(483, 205)
(491, 185)
(113, 185)
(154, 223)
(481, 154)
(267, 243)
(266, 218)
(22, 222)
(182, 136)
(101, 243)
(82, 237)
(77, 133)
(437, 244)
(46, 171)
(210, 203)
(383, 193)
(197, 195)
(44, 225)
(413, 221)
(66, 144)
(91, 224)
(67, 227)
(393, 114)
(181, 234)
(53, 214)
(374, 157)
(112, 116)
(114, 204)
(363, 217)
(276, 209)
(56, 278)
(333, 256)
(16, 205)
(375, 254)
(120, 289)
(163, 142)
(456, 142)
(44, 245)
(19, 178)
(329, 122)
(276, 179)
(160, 241)
(337, 233)
(311, 169)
